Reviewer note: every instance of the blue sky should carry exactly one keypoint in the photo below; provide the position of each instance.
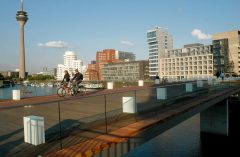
(86, 26)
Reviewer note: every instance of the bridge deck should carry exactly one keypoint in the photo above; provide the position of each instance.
(85, 141)
(99, 143)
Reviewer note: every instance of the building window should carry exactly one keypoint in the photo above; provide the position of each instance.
(151, 34)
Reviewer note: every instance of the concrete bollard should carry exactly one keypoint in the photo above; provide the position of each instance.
(210, 81)
(157, 81)
(140, 83)
(199, 83)
(129, 105)
(161, 93)
(110, 85)
(189, 87)
(34, 132)
(16, 95)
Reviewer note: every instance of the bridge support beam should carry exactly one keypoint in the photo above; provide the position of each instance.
(215, 120)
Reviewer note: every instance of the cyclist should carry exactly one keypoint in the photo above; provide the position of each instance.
(66, 78)
(78, 77)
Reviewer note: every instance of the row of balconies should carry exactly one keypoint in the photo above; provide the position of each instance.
(187, 67)
(188, 54)
(188, 73)
(120, 72)
(187, 64)
(188, 58)
(185, 61)
(132, 76)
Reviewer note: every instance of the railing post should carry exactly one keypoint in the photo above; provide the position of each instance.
(105, 107)
(60, 126)
(135, 95)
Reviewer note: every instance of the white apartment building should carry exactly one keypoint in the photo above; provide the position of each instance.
(192, 61)
(158, 40)
(70, 63)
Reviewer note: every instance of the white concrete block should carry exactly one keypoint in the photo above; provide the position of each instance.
(157, 81)
(210, 81)
(34, 132)
(129, 105)
(199, 83)
(189, 87)
(110, 85)
(161, 93)
(140, 83)
(16, 95)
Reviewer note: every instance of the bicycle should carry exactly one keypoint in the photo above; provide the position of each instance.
(78, 89)
(71, 89)
(65, 89)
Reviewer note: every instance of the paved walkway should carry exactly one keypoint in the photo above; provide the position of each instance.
(53, 98)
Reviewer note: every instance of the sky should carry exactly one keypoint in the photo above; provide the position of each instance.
(88, 26)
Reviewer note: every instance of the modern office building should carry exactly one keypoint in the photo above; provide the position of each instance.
(22, 18)
(111, 56)
(226, 51)
(125, 56)
(126, 71)
(70, 63)
(158, 40)
(192, 61)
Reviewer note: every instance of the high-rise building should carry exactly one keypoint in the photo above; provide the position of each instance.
(111, 56)
(226, 51)
(22, 19)
(158, 40)
(70, 64)
(68, 58)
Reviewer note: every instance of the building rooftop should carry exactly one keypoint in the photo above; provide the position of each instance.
(192, 45)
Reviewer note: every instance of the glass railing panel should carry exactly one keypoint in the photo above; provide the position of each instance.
(42, 132)
(82, 119)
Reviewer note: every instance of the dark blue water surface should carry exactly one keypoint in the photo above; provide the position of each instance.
(27, 91)
(181, 140)
(185, 140)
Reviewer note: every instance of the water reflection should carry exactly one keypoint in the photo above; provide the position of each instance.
(27, 91)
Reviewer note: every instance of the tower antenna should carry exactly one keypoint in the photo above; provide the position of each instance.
(21, 5)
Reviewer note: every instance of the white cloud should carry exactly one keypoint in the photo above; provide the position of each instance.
(54, 44)
(200, 35)
(125, 42)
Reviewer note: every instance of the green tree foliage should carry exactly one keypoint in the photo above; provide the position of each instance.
(40, 77)
(1, 77)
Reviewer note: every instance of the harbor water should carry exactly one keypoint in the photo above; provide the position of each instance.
(27, 91)
(186, 140)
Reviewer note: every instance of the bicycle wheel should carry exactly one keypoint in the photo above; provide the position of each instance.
(82, 90)
(61, 92)
(73, 90)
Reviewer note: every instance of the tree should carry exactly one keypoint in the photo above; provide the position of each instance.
(40, 77)
(1, 77)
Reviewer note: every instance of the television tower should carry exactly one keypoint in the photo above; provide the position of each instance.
(22, 19)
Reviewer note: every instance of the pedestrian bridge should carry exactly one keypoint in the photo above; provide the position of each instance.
(112, 122)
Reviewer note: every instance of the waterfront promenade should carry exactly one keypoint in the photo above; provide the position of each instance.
(95, 121)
